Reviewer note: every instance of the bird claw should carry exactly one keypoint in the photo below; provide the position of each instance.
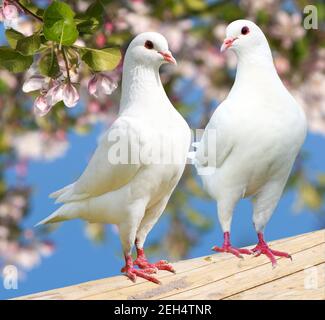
(166, 267)
(150, 270)
(257, 253)
(160, 265)
(235, 251)
(271, 254)
(133, 273)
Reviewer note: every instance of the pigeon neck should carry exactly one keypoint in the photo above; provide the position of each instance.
(255, 65)
(140, 83)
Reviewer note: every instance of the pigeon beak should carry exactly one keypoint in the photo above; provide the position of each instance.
(227, 43)
(168, 57)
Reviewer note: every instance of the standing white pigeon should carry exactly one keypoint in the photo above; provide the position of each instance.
(251, 142)
(133, 194)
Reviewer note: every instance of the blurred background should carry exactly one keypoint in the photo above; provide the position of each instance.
(40, 155)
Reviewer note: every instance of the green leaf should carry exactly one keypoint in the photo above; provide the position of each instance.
(92, 19)
(59, 24)
(13, 36)
(31, 7)
(3, 86)
(101, 60)
(118, 38)
(96, 9)
(196, 5)
(48, 64)
(72, 56)
(29, 45)
(197, 219)
(89, 25)
(13, 61)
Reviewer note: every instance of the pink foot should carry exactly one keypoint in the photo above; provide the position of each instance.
(132, 273)
(226, 247)
(263, 248)
(142, 262)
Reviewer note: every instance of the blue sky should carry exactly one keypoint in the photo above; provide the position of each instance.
(76, 259)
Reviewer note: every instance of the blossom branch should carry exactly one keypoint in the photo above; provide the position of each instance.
(66, 64)
(26, 10)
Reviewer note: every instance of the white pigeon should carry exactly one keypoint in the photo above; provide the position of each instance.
(251, 141)
(133, 194)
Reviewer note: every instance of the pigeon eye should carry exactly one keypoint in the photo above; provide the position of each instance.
(244, 30)
(149, 44)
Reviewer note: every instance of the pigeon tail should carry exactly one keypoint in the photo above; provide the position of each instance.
(66, 212)
(70, 196)
(67, 194)
(59, 192)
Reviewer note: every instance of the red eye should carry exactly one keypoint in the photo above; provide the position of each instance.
(149, 44)
(244, 30)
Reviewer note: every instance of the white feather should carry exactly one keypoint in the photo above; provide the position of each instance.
(254, 136)
(133, 196)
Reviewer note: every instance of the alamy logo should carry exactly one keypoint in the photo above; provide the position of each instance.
(10, 277)
(151, 148)
(311, 18)
(311, 278)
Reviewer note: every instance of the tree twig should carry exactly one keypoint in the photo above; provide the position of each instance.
(66, 63)
(27, 11)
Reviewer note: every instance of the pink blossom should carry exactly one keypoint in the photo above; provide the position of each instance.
(73, 72)
(34, 83)
(175, 37)
(253, 6)
(288, 28)
(100, 40)
(61, 134)
(92, 85)
(37, 146)
(70, 95)
(219, 31)
(55, 94)
(4, 232)
(25, 27)
(138, 22)
(101, 83)
(2, 17)
(93, 107)
(9, 11)
(109, 26)
(41, 106)
(27, 258)
(9, 78)
(46, 248)
(282, 64)
(21, 168)
(9, 15)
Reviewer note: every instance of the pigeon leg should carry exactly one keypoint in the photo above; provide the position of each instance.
(142, 262)
(227, 247)
(263, 248)
(132, 273)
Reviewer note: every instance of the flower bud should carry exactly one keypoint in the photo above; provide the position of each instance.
(41, 106)
(34, 83)
(70, 95)
(55, 94)
(10, 12)
(101, 84)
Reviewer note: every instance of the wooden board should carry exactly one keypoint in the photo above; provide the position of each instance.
(221, 276)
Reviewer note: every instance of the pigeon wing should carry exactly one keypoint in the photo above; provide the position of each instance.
(216, 143)
(109, 168)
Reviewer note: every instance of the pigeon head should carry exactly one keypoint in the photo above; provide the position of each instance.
(149, 48)
(243, 36)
